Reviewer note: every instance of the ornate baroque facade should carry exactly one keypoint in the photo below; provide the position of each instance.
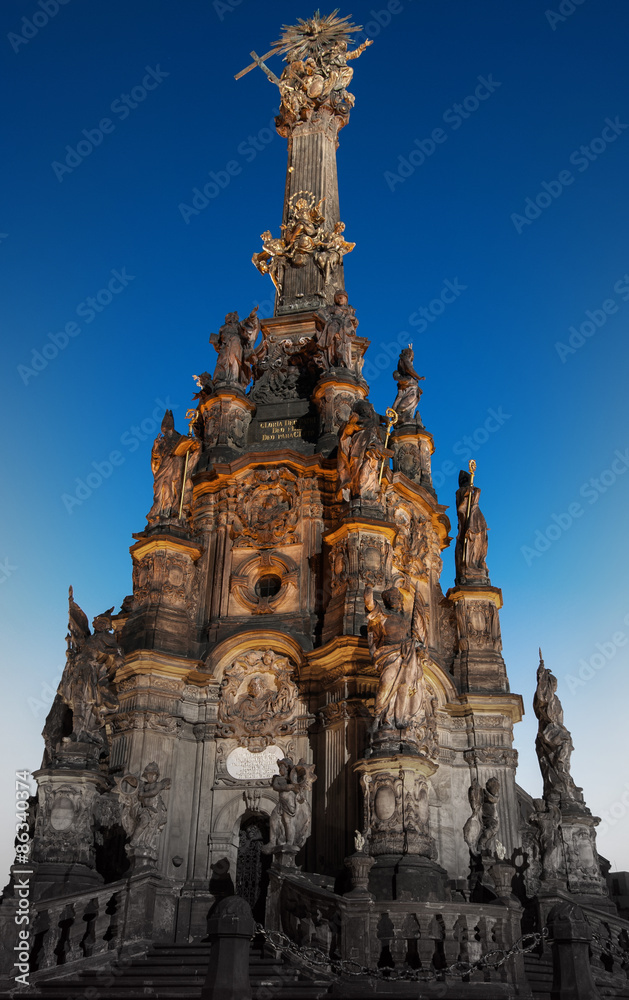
(288, 690)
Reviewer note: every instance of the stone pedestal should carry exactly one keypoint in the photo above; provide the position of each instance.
(63, 844)
(413, 447)
(579, 836)
(571, 935)
(163, 593)
(230, 929)
(359, 553)
(284, 856)
(334, 395)
(478, 665)
(226, 417)
(395, 792)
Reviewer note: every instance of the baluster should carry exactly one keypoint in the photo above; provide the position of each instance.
(425, 944)
(397, 944)
(451, 943)
(51, 941)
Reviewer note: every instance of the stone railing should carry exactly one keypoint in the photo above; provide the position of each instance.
(609, 948)
(77, 927)
(402, 936)
(92, 929)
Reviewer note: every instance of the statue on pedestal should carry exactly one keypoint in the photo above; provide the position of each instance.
(142, 810)
(553, 743)
(85, 696)
(336, 331)
(173, 457)
(291, 817)
(234, 344)
(408, 391)
(397, 645)
(360, 453)
(471, 543)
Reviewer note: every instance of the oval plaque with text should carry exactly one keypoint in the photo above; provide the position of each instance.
(244, 764)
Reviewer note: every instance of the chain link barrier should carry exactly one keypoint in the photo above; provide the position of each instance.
(346, 967)
(607, 946)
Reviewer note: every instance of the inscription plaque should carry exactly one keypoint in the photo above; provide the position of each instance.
(246, 765)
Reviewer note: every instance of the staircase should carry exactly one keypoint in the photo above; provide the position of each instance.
(179, 971)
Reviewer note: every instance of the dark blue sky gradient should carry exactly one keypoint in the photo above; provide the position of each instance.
(449, 219)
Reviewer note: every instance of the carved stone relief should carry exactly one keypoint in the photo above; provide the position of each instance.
(226, 423)
(267, 512)
(168, 577)
(258, 699)
(262, 582)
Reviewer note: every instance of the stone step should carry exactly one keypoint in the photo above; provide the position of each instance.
(167, 972)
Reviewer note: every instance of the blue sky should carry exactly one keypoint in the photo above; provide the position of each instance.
(528, 363)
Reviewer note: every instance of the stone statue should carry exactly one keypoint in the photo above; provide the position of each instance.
(303, 237)
(553, 743)
(360, 453)
(481, 828)
(168, 462)
(291, 817)
(474, 825)
(331, 250)
(142, 810)
(234, 344)
(408, 391)
(359, 842)
(489, 816)
(85, 696)
(336, 331)
(316, 76)
(397, 644)
(547, 820)
(471, 543)
(269, 260)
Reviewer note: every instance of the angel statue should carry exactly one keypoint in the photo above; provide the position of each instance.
(291, 818)
(397, 644)
(142, 811)
(86, 695)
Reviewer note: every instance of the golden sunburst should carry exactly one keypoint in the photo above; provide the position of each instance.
(314, 36)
